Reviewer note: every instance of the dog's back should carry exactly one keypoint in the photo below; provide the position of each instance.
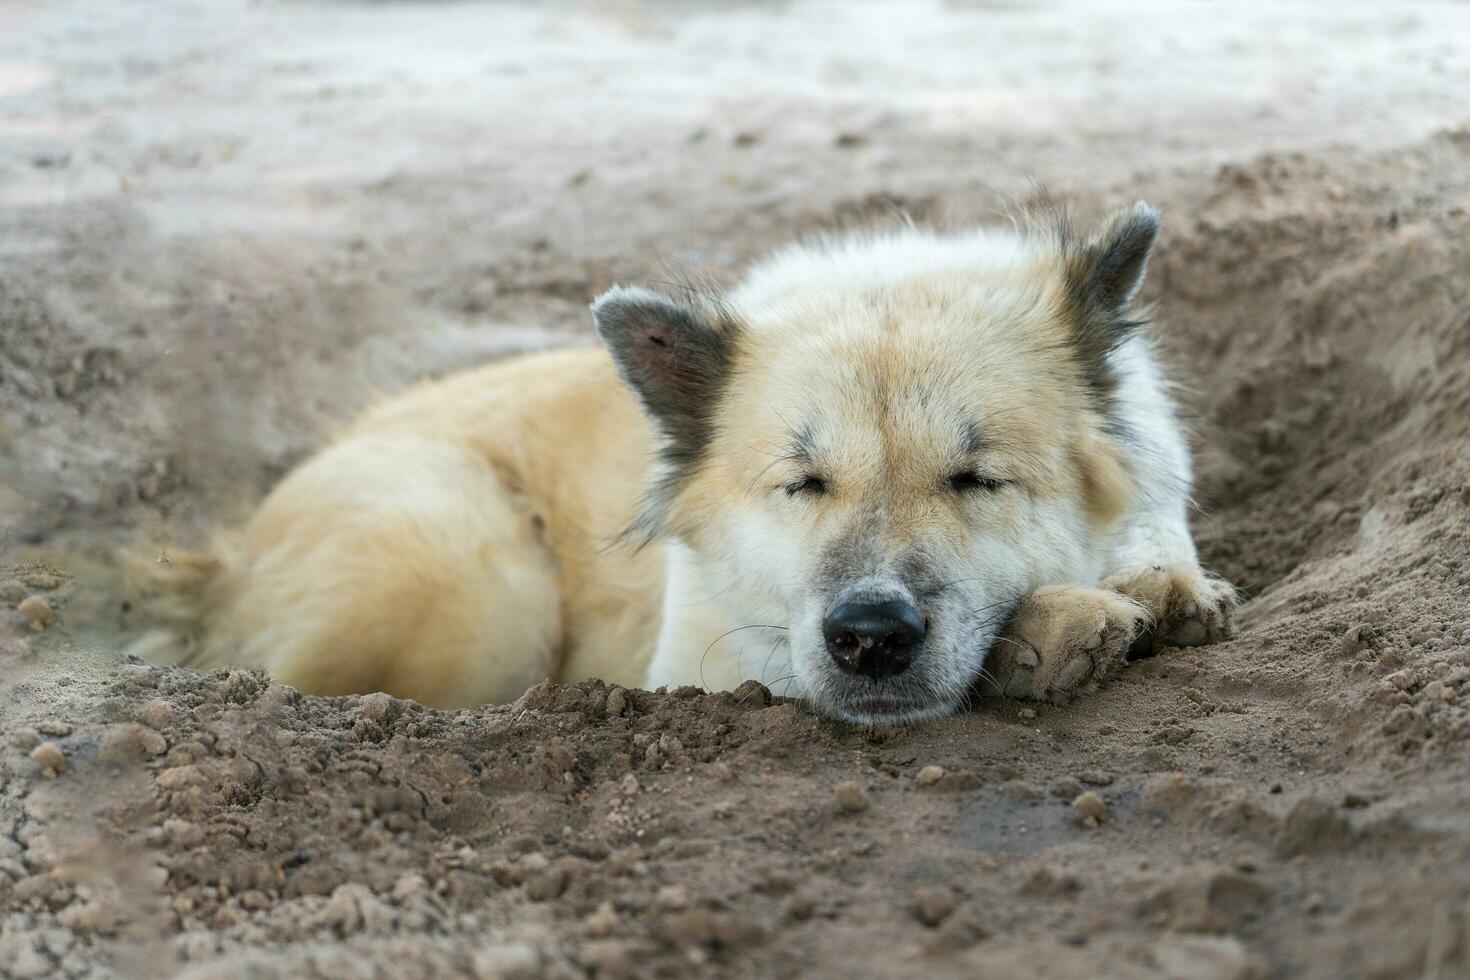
(443, 550)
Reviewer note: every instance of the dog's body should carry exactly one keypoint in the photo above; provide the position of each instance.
(878, 459)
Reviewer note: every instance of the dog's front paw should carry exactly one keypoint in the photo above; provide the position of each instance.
(1189, 607)
(1063, 640)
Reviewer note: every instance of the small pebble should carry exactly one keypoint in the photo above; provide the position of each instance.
(602, 923)
(45, 581)
(1066, 788)
(49, 756)
(546, 884)
(1439, 691)
(753, 693)
(934, 903)
(519, 959)
(378, 707)
(929, 775)
(157, 714)
(410, 886)
(800, 906)
(255, 900)
(182, 833)
(1356, 639)
(1091, 808)
(673, 897)
(140, 674)
(152, 742)
(851, 797)
(38, 611)
(1050, 882)
(1020, 789)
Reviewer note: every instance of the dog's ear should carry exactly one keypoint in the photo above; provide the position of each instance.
(675, 357)
(1105, 274)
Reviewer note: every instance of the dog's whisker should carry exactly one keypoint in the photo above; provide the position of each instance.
(774, 647)
(703, 656)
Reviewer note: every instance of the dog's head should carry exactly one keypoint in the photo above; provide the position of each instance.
(883, 445)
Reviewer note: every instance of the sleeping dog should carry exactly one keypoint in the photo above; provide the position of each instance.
(882, 469)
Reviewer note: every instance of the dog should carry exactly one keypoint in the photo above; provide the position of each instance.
(886, 470)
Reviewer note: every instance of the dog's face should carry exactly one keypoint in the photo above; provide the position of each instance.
(886, 468)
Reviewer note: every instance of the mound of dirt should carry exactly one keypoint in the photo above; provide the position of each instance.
(218, 240)
(1290, 803)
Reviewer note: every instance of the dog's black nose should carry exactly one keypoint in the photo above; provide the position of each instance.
(875, 639)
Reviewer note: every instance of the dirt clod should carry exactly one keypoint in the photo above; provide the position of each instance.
(1051, 882)
(547, 883)
(934, 903)
(509, 961)
(38, 611)
(50, 758)
(929, 775)
(1210, 901)
(1066, 788)
(753, 693)
(850, 797)
(603, 922)
(673, 897)
(284, 213)
(960, 930)
(1091, 808)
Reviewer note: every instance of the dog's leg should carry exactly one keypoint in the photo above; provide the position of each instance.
(1153, 559)
(1062, 640)
(1154, 562)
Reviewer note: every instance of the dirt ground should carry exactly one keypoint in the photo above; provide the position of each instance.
(224, 225)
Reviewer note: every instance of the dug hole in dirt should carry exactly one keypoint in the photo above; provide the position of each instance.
(1292, 803)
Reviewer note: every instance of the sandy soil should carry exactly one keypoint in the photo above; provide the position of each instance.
(222, 226)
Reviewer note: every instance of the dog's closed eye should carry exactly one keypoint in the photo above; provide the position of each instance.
(811, 485)
(968, 481)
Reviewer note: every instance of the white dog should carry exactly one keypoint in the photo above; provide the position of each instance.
(883, 468)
